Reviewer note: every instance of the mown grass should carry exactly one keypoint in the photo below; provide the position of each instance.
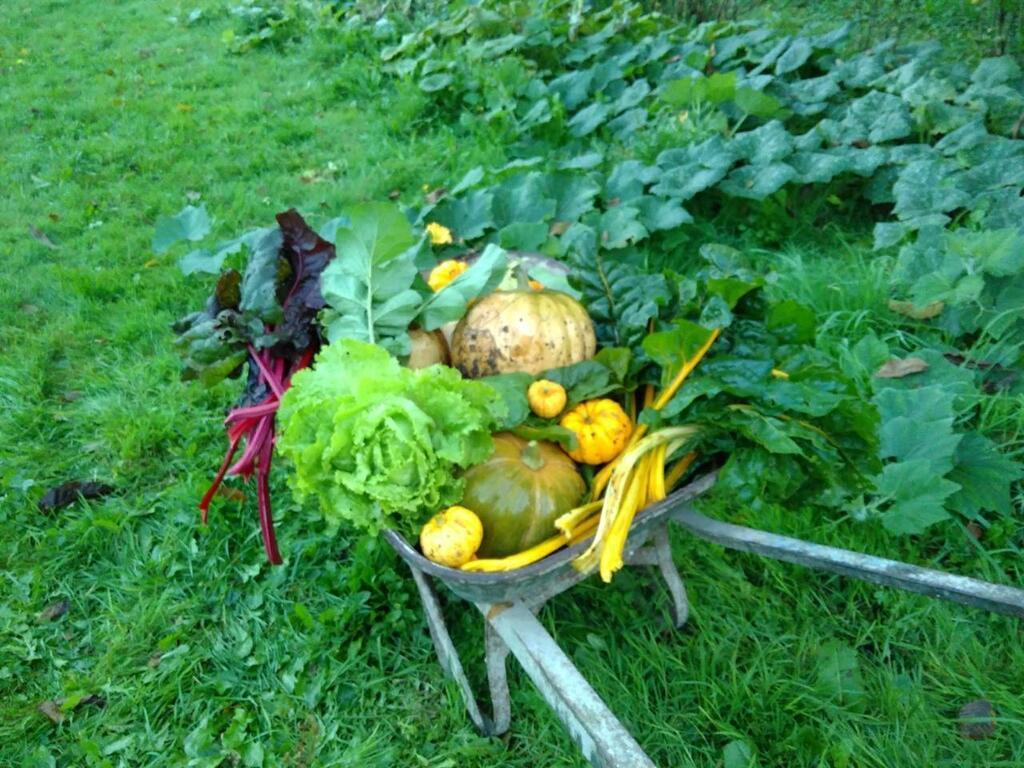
(203, 655)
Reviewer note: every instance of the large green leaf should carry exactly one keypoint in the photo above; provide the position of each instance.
(757, 181)
(985, 477)
(523, 198)
(917, 424)
(927, 186)
(368, 284)
(468, 216)
(796, 55)
(627, 181)
(573, 193)
(693, 169)
(916, 496)
(620, 226)
(768, 144)
(589, 119)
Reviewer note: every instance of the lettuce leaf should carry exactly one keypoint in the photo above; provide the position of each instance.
(379, 445)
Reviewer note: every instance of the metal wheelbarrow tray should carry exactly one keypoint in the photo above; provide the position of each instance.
(509, 603)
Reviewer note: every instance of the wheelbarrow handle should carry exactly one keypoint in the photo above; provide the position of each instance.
(890, 573)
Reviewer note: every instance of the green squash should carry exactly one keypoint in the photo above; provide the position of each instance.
(519, 492)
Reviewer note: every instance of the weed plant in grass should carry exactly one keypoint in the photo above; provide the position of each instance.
(197, 652)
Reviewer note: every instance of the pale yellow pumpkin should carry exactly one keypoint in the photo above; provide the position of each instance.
(546, 398)
(452, 537)
(426, 348)
(524, 330)
(602, 430)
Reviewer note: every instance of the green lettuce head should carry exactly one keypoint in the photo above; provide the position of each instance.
(379, 445)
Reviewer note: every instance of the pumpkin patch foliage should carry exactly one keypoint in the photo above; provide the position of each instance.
(631, 138)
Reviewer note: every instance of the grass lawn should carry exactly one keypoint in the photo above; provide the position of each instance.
(180, 646)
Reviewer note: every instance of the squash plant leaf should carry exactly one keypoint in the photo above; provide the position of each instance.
(984, 475)
(190, 223)
(915, 495)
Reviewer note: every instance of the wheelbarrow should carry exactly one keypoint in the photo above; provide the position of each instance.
(510, 601)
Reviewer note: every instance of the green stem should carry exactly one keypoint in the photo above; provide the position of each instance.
(531, 456)
(523, 279)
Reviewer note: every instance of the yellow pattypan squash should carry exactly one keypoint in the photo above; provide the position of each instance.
(452, 537)
(547, 398)
(602, 430)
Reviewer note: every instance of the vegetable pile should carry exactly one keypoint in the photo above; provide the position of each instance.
(539, 434)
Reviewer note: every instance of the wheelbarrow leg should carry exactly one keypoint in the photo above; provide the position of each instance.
(497, 678)
(660, 554)
(600, 736)
(674, 582)
(449, 659)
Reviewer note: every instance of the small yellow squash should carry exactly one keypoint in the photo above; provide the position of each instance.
(452, 537)
(547, 398)
(602, 430)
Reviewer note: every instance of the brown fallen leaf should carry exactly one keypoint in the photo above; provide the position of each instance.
(394, 194)
(38, 234)
(56, 709)
(907, 309)
(435, 194)
(52, 710)
(977, 720)
(896, 368)
(54, 611)
(975, 531)
(559, 227)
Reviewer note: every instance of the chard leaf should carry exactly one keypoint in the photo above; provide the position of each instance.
(619, 297)
(307, 255)
(259, 283)
(671, 349)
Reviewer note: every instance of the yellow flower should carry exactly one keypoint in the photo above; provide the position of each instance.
(439, 233)
(445, 272)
